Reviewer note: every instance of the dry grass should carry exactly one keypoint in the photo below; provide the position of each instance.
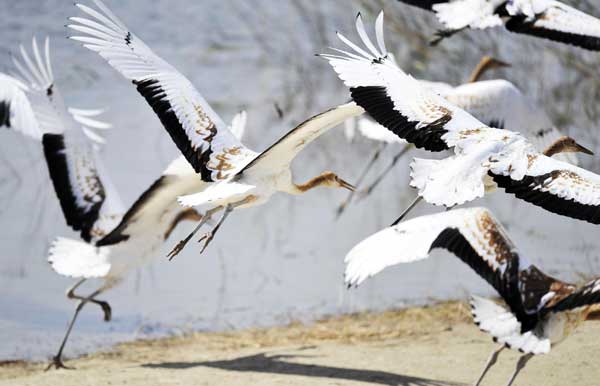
(351, 328)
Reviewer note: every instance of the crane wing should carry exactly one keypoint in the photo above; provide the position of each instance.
(394, 99)
(196, 129)
(499, 103)
(472, 234)
(15, 108)
(587, 295)
(554, 185)
(558, 22)
(88, 200)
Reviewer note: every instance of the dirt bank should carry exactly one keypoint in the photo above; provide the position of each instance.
(420, 346)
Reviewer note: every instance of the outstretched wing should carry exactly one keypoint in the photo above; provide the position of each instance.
(587, 295)
(393, 98)
(405, 242)
(196, 129)
(554, 185)
(499, 103)
(88, 200)
(282, 152)
(471, 234)
(15, 109)
(556, 21)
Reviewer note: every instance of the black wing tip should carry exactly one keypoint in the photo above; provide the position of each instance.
(76, 217)
(525, 190)
(376, 102)
(5, 114)
(152, 91)
(114, 237)
(519, 24)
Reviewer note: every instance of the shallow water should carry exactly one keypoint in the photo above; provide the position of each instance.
(272, 264)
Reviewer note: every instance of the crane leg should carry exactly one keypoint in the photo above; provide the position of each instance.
(342, 207)
(388, 169)
(443, 34)
(57, 359)
(520, 366)
(104, 305)
(208, 237)
(490, 362)
(180, 245)
(407, 210)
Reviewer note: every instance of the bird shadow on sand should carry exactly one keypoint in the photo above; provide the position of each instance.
(276, 364)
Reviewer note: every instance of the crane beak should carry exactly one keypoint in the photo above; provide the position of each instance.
(501, 63)
(581, 149)
(345, 184)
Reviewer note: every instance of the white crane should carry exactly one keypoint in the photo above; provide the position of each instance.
(540, 311)
(239, 177)
(548, 19)
(484, 157)
(498, 103)
(135, 241)
(115, 241)
(481, 101)
(37, 110)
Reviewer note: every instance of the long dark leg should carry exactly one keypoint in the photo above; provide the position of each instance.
(407, 210)
(395, 160)
(443, 34)
(180, 245)
(491, 361)
(57, 359)
(208, 237)
(104, 305)
(340, 210)
(520, 365)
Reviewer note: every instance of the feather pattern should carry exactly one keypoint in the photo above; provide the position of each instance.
(541, 310)
(546, 19)
(89, 202)
(196, 129)
(416, 113)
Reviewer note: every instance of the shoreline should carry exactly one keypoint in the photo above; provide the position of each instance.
(434, 345)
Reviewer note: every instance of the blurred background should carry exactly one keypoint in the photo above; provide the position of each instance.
(282, 261)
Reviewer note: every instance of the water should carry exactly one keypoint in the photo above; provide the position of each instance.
(282, 261)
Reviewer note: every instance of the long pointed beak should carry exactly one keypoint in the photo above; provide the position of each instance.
(345, 185)
(581, 149)
(348, 186)
(501, 63)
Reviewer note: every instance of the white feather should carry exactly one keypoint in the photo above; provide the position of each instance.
(78, 259)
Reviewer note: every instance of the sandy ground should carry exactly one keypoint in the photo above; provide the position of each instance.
(422, 346)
